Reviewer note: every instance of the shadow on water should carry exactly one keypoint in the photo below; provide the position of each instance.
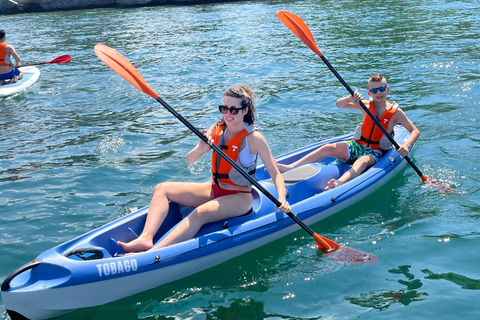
(463, 281)
(245, 309)
(383, 299)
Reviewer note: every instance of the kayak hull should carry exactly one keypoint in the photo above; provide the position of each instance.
(91, 270)
(30, 76)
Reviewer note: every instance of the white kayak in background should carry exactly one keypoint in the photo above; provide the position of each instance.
(30, 76)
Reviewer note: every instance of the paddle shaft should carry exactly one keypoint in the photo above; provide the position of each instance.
(32, 64)
(370, 114)
(125, 69)
(233, 163)
(62, 59)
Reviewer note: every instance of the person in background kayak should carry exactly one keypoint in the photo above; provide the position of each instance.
(369, 143)
(7, 72)
(229, 194)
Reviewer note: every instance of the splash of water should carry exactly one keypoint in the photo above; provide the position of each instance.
(199, 167)
(445, 179)
(110, 144)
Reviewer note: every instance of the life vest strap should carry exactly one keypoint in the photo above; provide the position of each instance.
(220, 175)
(226, 175)
(368, 141)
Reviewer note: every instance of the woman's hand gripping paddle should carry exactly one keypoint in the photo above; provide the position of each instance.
(124, 68)
(297, 26)
(62, 59)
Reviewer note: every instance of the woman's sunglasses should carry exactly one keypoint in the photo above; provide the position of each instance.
(374, 90)
(233, 110)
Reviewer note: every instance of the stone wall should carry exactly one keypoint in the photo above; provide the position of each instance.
(25, 6)
(7, 6)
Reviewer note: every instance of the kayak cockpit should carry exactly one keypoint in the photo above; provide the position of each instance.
(300, 183)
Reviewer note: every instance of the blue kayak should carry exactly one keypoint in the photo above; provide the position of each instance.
(92, 269)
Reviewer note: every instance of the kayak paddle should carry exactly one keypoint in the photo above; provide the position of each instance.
(297, 26)
(125, 69)
(62, 59)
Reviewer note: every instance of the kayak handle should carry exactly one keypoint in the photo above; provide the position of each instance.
(25, 267)
(86, 254)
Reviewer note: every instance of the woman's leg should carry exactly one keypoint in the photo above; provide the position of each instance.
(184, 193)
(214, 210)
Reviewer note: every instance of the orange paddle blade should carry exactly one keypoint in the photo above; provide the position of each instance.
(124, 68)
(297, 26)
(426, 179)
(325, 244)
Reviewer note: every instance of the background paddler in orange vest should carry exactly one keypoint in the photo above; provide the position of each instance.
(369, 143)
(229, 194)
(7, 72)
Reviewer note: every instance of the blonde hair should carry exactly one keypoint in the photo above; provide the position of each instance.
(376, 78)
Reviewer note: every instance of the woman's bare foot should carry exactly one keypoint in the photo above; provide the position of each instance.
(332, 184)
(137, 245)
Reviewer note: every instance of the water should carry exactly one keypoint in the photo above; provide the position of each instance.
(83, 147)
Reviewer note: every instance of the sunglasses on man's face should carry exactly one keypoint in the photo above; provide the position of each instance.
(374, 90)
(233, 110)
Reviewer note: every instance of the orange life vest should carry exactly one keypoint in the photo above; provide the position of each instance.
(3, 54)
(221, 169)
(371, 135)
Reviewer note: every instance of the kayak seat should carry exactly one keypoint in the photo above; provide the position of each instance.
(300, 174)
(217, 225)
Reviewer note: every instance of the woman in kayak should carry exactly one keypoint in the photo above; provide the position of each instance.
(6, 70)
(229, 194)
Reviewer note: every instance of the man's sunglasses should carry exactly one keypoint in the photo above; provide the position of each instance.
(374, 90)
(233, 110)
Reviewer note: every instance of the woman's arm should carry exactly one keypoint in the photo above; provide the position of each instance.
(259, 145)
(201, 147)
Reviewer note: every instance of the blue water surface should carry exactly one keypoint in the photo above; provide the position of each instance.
(83, 147)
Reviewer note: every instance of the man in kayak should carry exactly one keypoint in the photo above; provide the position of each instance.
(230, 193)
(6, 70)
(369, 143)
